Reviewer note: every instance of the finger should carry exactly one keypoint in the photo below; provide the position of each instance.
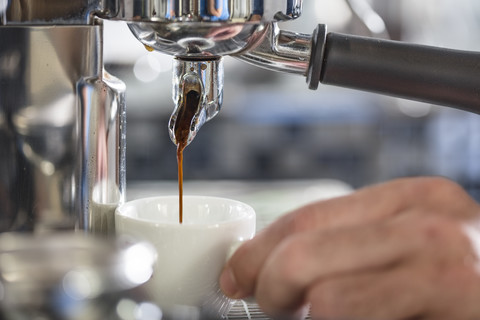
(396, 293)
(305, 258)
(413, 290)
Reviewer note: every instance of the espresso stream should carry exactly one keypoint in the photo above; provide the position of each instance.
(180, 149)
(182, 130)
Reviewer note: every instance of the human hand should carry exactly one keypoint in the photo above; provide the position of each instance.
(406, 249)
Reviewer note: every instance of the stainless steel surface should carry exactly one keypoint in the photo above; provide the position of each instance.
(243, 310)
(198, 39)
(62, 129)
(102, 152)
(200, 28)
(47, 11)
(170, 26)
(208, 10)
(203, 76)
(280, 50)
(69, 276)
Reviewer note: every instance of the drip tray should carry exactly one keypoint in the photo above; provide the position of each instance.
(242, 310)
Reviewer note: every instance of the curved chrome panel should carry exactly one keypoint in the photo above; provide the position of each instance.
(233, 11)
(280, 50)
(53, 155)
(68, 276)
(50, 11)
(196, 39)
(101, 152)
(82, 11)
(205, 27)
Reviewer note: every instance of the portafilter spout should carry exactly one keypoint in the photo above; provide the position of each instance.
(197, 94)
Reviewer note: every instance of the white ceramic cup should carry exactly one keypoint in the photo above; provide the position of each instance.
(191, 255)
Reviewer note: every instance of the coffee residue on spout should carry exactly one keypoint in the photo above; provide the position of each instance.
(182, 129)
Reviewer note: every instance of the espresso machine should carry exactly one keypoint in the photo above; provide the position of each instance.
(62, 116)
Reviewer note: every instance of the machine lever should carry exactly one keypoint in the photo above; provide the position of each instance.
(417, 72)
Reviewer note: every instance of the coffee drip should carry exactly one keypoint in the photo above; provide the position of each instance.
(183, 126)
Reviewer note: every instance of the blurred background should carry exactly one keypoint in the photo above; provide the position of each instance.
(272, 127)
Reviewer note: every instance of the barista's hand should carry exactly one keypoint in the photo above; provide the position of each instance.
(401, 250)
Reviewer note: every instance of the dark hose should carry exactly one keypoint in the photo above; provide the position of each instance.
(424, 73)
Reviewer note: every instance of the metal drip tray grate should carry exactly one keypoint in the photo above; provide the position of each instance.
(242, 310)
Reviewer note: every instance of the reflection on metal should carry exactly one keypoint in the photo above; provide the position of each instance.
(232, 11)
(69, 276)
(371, 19)
(51, 11)
(195, 39)
(61, 133)
(280, 50)
(191, 29)
(82, 11)
(102, 145)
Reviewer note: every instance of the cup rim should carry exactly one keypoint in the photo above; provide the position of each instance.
(249, 212)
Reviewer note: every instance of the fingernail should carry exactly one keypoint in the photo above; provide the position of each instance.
(228, 284)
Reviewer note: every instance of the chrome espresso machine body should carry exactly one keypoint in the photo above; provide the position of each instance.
(62, 117)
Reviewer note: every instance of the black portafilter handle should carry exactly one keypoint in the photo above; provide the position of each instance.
(424, 73)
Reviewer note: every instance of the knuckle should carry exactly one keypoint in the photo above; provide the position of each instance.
(440, 196)
(280, 284)
(436, 186)
(445, 186)
(301, 221)
(293, 260)
(437, 230)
